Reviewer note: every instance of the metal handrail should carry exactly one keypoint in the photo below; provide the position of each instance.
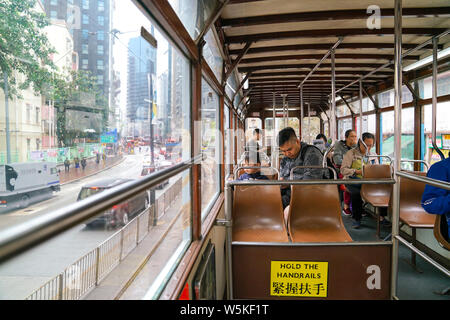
(26, 235)
(307, 182)
(291, 173)
(417, 161)
(325, 155)
(253, 167)
(433, 182)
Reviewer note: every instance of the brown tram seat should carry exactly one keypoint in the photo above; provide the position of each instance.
(315, 214)
(258, 214)
(378, 195)
(411, 212)
(438, 231)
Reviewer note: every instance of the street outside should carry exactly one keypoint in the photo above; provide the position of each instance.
(25, 273)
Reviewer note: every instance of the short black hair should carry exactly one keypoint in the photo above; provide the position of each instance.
(347, 133)
(252, 157)
(321, 136)
(285, 135)
(367, 135)
(256, 131)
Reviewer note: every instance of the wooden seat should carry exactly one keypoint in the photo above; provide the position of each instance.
(258, 214)
(378, 195)
(315, 214)
(411, 211)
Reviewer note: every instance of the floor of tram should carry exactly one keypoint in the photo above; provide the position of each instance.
(411, 284)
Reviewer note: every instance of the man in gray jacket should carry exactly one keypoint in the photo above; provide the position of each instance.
(297, 153)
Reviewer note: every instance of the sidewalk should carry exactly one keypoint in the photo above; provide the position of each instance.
(91, 168)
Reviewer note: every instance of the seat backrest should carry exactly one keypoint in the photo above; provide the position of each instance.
(411, 190)
(258, 208)
(377, 171)
(315, 208)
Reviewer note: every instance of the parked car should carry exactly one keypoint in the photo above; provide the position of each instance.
(120, 214)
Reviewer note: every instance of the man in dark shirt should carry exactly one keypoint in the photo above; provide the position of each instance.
(297, 153)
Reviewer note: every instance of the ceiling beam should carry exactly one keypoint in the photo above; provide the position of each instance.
(300, 72)
(329, 33)
(326, 46)
(309, 66)
(331, 15)
(319, 56)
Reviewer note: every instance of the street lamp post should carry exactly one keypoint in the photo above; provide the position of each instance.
(152, 147)
(8, 143)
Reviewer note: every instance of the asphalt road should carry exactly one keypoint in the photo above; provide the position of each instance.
(23, 274)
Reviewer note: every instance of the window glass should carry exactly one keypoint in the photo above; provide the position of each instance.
(210, 146)
(342, 110)
(211, 53)
(279, 125)
(443, 85)
(368, 124)
(227, 140)
(386, 98)
(343, 125)
(387, 135)
(194, 14)
(130, 119)
(310, 129)
(250, 125)
(442, 132)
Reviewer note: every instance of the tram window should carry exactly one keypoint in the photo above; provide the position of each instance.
(210, 146)
(250, 125)
(387, 138)
(211, 53)
(344, 125)
(442, 132)
(194, 14)
(314, 129)
(342, 110)
(443, 85)
(227, 146)
(386, 98)
(368, 124)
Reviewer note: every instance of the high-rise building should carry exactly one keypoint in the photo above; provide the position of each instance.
(141, 70)
(90, 24)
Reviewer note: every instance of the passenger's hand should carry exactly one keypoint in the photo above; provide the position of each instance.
(359, 172)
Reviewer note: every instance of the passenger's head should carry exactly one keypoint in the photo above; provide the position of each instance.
(252, 159)
(256, 133)
(369, 140)
(321, 136)
(350, 137)
(289, 143)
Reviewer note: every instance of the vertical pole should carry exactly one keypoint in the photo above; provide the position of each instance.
(273, 153)
(332, 126)
(229, 255)
(397, 141)
(301, 113)
(360, 110)
(8, 142)
(309, 123)
(434, 100)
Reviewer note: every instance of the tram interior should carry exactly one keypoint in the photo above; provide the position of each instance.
(318, 67)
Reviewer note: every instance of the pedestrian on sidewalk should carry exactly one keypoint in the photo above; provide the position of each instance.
(97, 158)
(83, 163)
(77, 162)
(67, 165)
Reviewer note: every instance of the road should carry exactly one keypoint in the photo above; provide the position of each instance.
(23, 274)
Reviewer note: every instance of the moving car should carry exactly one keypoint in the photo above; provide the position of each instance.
(160, 164)
(120, 214)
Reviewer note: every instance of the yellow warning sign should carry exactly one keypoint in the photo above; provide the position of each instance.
(298, 278)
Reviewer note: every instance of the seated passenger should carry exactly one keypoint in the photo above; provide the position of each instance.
(252, 159)
(340, 148)
(351, 168)
(436, 200)
(297, 153)
(321, 142)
